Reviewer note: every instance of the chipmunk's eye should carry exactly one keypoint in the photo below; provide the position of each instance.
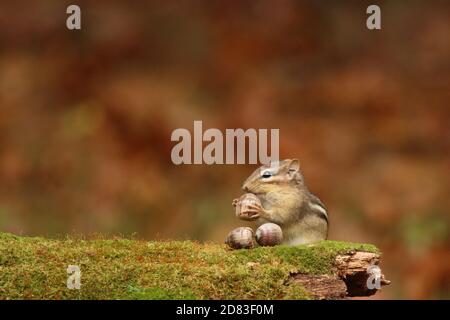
(267, 174)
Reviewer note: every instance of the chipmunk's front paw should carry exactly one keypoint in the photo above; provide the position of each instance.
(253, 211)
(235, 203)
(248, 207)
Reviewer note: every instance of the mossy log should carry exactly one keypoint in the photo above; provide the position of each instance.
(37, 268)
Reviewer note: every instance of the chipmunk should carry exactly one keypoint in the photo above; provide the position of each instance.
(286, 201)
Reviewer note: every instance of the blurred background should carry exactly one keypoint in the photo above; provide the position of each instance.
(86, 118)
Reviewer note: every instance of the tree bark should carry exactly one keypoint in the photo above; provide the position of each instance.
(356, 274)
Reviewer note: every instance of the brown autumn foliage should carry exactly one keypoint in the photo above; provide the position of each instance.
(86, 118)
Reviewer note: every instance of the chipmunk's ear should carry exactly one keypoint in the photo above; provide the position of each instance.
(294, 165)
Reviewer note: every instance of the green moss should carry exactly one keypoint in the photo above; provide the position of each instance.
(160, 294)
(35, 268)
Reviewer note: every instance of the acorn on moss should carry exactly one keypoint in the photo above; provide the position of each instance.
(240, 238)
(269, 234)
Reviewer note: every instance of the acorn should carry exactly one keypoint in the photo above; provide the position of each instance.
(240, 238)
(242, 206)
(269, 234)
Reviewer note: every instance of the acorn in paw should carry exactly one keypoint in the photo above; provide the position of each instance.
(247, 207)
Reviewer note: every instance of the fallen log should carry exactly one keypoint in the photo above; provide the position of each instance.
(74, 268)
(356, 274)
